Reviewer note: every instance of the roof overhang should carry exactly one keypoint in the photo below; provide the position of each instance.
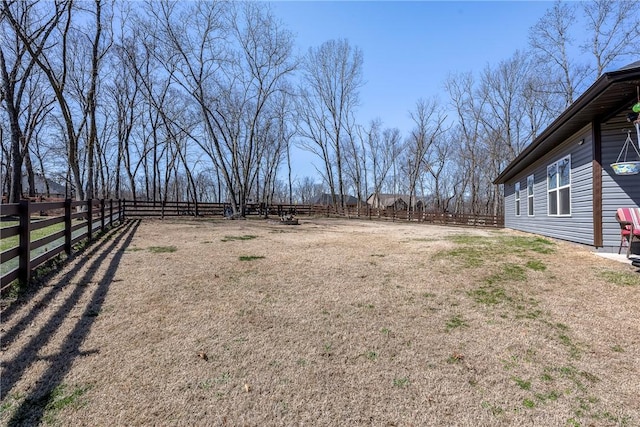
(611, 93)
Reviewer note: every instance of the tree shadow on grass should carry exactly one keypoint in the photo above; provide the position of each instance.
(32, 408)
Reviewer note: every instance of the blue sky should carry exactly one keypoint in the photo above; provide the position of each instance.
(410, 48)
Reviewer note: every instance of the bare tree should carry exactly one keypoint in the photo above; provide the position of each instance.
(178, 127)
(505, 113)
(307, 190)
(444, 170)
(382, 148)
(34, 119)
(124, 94)
(276, 134)
(541, 107)
(551, 40)
(267, 51)
(613, 31)
(98, 52)
(469, 108)
(8, 96)
(355, 160)
(5, 163)
(429, 122)
(65, 70)
(331, 82)
(21, 17)
(206, 186)
(230, 59)
(148, 121)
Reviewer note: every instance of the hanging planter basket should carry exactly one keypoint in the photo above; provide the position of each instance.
(625, 167)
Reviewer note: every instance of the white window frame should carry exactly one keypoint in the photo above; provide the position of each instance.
(556, 187)
(530, 194)
(517, 198)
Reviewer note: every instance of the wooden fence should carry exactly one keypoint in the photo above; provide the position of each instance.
(76, 221)
(439, 218)
(135, 209)
(82, 220)
(172, 209)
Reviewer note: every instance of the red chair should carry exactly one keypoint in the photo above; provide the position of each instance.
(629, 219)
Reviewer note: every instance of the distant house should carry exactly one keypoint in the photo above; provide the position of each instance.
(393, 201)
(563, 184)
(326, 199)
(55, 189)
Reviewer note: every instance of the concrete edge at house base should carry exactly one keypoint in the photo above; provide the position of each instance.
(618, 257)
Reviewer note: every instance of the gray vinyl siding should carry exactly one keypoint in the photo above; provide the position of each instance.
(617, 191)
(610, 99)
(579, 226)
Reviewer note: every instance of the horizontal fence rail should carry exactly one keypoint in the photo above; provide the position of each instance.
(175, 209)
(33, 233)
(440, 218)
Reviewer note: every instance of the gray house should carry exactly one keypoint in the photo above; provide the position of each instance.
(41, 184)
(325, 199)
(393, 201)
(562, 185)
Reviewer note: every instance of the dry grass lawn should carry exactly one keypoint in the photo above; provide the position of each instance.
(331, 322)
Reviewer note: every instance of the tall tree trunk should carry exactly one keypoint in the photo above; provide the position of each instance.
(15, 189)
(31, 179)
(91, 101)
(289, 173)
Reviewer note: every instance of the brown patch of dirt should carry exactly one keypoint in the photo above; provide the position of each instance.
(330, 322)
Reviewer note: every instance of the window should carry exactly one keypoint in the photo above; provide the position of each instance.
(530, 181)
(559, 187)
(517, 192)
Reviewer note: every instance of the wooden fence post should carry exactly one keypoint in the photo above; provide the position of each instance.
(25, 241)
(122, 206)
(102, 215)
(111, 213)
(67, 226)
(90, 219)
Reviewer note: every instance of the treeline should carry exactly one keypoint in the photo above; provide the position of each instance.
(204, 101)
